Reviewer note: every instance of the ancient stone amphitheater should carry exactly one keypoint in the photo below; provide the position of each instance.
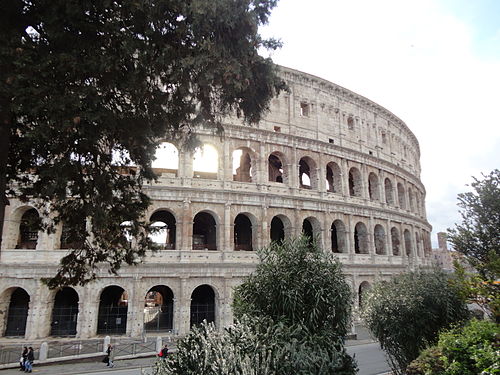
(326, 162)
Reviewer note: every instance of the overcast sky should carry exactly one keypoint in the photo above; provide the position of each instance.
(433, 63)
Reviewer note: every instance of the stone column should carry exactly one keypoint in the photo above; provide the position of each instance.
(183, 315)
(135, 318)
(350, 237)
(227, 229)
(38, 324)
(186, 226)
(345, 177)
(371, 241)
(261, 175)
(264, 236)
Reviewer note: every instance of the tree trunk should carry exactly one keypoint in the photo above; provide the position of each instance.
(5, 123)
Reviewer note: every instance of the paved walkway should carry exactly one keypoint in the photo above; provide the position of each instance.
(77, 368)
(85, 367)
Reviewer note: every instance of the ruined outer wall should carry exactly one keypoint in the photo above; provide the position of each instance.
(316, 121)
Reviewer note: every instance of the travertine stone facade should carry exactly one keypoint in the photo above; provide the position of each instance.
(325, 161)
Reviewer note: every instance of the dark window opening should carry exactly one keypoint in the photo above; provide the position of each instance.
(28, 230)
(277, 229)
(277, 129)
(202, 305)
(242, 233)
(17, 314)
(113, 308)
(65, 313)
(395, 241)
(204, 232)
(307, 231)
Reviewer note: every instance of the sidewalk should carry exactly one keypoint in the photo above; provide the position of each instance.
(93, 365)
(85, 367)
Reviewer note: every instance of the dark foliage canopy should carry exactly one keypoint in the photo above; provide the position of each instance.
(89, 87)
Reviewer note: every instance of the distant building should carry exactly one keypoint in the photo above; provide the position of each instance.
(442, 257)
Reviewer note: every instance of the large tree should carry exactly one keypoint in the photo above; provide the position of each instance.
(478, 235)
(478, 238)
(88, 87)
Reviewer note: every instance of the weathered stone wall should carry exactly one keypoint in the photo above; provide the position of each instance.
(317, 122)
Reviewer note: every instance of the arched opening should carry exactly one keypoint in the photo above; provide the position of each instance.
(276, 170)
(395, 241)
(360, 239)
(73, 237)
(379, 239)
(407, 237)
(166, 159)
(242, 233)
(206, 162)
(202, 305)
(277, 229)
(307, 173)
(355, 189)
(401, 196)
(113, 308)
(17, 314)
(163, 229)
(338, 237)
(389, 194)
(373, 187)
(363, 288)
(28, 230)
(333, 178)
(307, 231)
(242, 165)
(159, 309)
(204, 232)
(65, 313)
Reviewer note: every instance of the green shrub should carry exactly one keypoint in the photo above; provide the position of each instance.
(298, 284)
(473, 349)
(254, 348)
(407, 312)
(293, 315)
(429, 362)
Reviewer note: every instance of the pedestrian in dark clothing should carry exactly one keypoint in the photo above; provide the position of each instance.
(111, 355)
(164, 352)
(30, 358)
(22, 360)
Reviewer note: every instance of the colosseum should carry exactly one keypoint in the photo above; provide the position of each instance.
(325, 161)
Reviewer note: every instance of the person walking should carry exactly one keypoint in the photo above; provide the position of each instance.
(111, 355)
(30, 358)
(22, 360)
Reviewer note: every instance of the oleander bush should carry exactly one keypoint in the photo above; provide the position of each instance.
(293, 314)
(407, 313)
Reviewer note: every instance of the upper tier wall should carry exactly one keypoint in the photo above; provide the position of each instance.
(320, 110)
